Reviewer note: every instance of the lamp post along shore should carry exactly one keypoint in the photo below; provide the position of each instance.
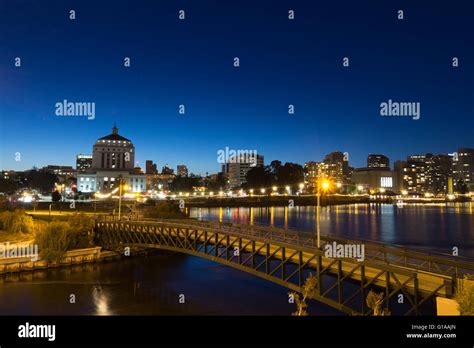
(120, 199)
(324, 185)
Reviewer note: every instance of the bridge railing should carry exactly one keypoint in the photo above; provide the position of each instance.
(374, 251)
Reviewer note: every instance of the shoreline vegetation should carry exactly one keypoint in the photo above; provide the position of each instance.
(64, 239)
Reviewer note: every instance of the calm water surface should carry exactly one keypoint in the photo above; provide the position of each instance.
(152, 285)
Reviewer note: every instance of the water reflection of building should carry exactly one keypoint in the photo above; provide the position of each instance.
(113, 159)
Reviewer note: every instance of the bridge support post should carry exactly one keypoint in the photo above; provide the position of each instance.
(300, 271)
(319, 275)
(283, 263)
(415, 297)
(387, 290)
(362, 288)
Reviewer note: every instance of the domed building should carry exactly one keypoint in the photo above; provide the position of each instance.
(113, 158)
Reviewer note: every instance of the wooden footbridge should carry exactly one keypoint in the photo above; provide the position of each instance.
(286, 257)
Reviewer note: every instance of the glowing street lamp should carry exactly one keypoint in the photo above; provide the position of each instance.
(325, 186)
(360, 187)
(338, 185)
(274, 188)
(122, 187)
(262, 190)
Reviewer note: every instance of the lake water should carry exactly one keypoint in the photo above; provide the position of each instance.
(154, 284)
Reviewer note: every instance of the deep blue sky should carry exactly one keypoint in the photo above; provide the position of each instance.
(191, 62)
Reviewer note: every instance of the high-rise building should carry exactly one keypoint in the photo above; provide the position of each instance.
(463, 169)
(150, 167)
(441, 169)
(427, 174)
(166, 170)
(113, 152)
(415, 174)
(237, 169)
(182, 170)
(398, 175)
(377, 161)
(337, 167)
(313, 171)
(83, 162)
(112, 161)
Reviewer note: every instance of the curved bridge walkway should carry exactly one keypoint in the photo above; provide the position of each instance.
(286, 257)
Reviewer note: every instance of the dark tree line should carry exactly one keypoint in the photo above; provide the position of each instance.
(275, 174)
(33, 179)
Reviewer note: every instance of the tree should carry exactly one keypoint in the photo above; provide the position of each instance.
(290, 174)
(465, 297)
(218, 184)
(461, 187)
(57, 237)
(308, 292)
(41, 181)
(16, 222)
(56, 196)
(8, 186)
(258, 177)
(275, 174)
(374, 301)
(185, 183)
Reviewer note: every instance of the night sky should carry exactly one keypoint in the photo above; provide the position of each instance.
(190, 62)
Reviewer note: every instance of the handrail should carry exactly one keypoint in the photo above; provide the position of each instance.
(436, 262)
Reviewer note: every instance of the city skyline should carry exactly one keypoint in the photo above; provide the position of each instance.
(282, 62)
(176, 163)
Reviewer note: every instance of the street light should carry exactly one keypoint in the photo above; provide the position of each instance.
(121, 187)
(325, 186)
(262, 190)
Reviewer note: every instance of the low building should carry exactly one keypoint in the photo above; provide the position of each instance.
(83, 162)
(374, 178)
